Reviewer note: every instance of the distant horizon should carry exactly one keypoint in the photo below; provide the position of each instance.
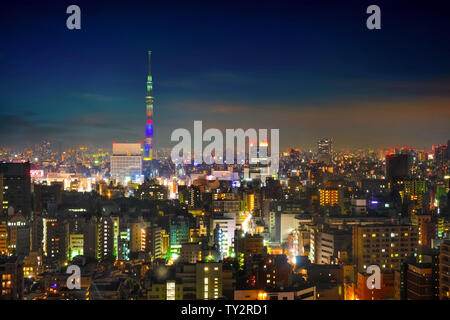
(308, 71)
(285, 149)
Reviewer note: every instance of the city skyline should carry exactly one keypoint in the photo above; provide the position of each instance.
(321, 74)
(224, 151)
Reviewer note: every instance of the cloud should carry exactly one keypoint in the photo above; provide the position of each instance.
(433, 87)
(211, 79)
(211, 108)
(19, 130)
(96, 97)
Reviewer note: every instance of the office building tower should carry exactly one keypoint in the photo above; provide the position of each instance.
(179, 232)
(427, 226)
(16, 187)
(154, 240)
(331, 197)
(138, 235)
(90, 238)
(420, 282)
(126, 163)
(116, 235)
(36, 231)
(11, 278)
(444, 271)
(387, 246)
(398, 167)
(19, 235)
(106, 235)
(386, 291)
(328, 246)
(190, 196)
(208, 280)
(415, 191)
(124, 244)
(76, 245)
(151, 190)
(46, 196)
(190, 252)
(281, 224)
(223, 234)
(268, 271)
(32, 264)
(324, 150)
(165, 289)
(3, 236)
(2, 192)
(148, 146)
(55, 239)
(248, 246)
(441, 155)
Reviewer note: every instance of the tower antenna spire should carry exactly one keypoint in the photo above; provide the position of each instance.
(148, 146)
(149, 63)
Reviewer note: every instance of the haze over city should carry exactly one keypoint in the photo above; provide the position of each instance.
(320, 71)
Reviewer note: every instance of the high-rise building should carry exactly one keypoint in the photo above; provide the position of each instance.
(148, 148)
(444, 270)
(47, 196)
(441, 154)
(386, 292)
(16, 187)
(107, 234)
(208, 280)
(415, 191)
(19, 235)
(138, 235)
(398, 166)
(427, 226)
(167, 289)
(327, 245)
(420, 282)
(190, 252)
(90, 238)
(11, 278)
(3, 236)
(248, 246)
(116, 234)
(179, 231)
(37, 229)
(268, 271)
(2, 192)
(324, 150)
(32, 264)
(154, 239)
(76, 245)
(386, 246)
(223, 232)
(124, 244)
(331, 197)
(126, 162)
(56, 239)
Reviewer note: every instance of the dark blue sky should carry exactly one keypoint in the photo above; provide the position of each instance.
(309, 68)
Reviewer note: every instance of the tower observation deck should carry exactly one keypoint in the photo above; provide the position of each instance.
(148, 144)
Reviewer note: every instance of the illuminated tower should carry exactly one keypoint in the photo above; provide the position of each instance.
(149, 118)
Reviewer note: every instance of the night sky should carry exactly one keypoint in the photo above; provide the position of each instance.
(311, 69)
